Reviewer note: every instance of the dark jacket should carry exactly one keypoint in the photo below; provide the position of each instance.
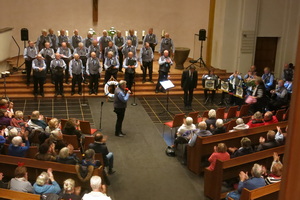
(187, 82)
(210, 121)
(267, 145)
(218, 130)
(242, 151)
(100, 148)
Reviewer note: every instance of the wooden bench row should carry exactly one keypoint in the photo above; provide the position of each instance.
(204, 146)
(61, 172)
(225, 170)
(15, 195)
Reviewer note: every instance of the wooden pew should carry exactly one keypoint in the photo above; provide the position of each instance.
(35, 167)
(204, 146)
(15, 195)
(269, 192)
(225, 170)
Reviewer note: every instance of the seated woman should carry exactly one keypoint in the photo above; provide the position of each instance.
(240, 125)
(18, 119)
(90, 159)
(46, 152)
(276, 170)
(220, 128)
(211, 119)
(245, 148)
(37, 121)
(256, 121)
(66, 156)
(187, 126)
(256, 181)
(5, 117)
(201, 131)
(57, 138)
(220, 152)
(20, 182)
(53, 124)
(72, 128)
(16, 148)
(45, 183)
(70, 191)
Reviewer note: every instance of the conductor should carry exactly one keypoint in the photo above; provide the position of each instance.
(188, 84)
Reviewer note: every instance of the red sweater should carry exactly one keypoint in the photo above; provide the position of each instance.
(216, 155)
(253, 123)
(272, 121)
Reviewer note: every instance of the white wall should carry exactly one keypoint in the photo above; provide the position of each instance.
(5, 41)
(182, 19)
(267, 18)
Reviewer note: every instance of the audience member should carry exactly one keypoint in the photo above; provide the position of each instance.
(53, 125)
(280, 136)
(20, 182)
(211, 119)
(259, 94)
(57, 138)
(256, 121)
(269, 118)
(199, 132)
(220, 128)
(70, 192)
(4, 104)
(97, 190)
(220, 153)
(5, 117)
(100, 147)
(45, 184)
(245, 148)
(46, 152)
(90, 159)
(16, 148)
(66, 156)
(2, 184)
(72, 128)
(37, 121)
(186, 126)
(18, 119)
(11, 107)
(276, 170)
(249, 183)
(240, 125)
(270, 143)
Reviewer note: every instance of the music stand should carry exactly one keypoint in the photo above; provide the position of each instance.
(167, 84)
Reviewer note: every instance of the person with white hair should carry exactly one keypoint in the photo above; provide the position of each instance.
(43, 185)
(256, 181)
(111, 47)
(37, 121)
(66, 156)
(54, 39)
(119, 41)
(58, 66)
(70, 191)
(220, 128)
(111, 66)
(76, 39)
(212, 114)
(120, 104)
(16, 148)
(42, 39)
(93, 69)
(240, 125)
(97, 189)
(130, 64)
(66, 55)
(201, 131)
(103, 43)
(39, 70)
(76, 73)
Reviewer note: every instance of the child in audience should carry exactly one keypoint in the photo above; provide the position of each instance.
(220, 152)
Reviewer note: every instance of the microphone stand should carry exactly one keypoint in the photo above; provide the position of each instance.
(100, 124)
(83, 96)
(134, 103)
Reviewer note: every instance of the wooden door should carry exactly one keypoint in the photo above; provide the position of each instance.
(265, 53)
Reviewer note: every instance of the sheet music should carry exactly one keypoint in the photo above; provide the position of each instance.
(167, 84)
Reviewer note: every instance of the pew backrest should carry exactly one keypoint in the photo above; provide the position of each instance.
(15, 195)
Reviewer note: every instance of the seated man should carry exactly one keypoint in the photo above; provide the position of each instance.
(245, 148)
(37, 121)
(270, 143)
(279, 96)
(240, 125)
(269, 118)
(220, 128)
(249, 183)
(256, 121)
(99, 146)
(98, 190)
(16, 148)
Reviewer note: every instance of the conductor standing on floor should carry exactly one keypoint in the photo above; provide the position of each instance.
(188, 84)
(120, 104)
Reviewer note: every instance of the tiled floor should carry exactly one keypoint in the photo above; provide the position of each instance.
(154, 106)
(59, 108)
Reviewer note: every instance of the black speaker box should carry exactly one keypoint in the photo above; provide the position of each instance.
(202, 35)
(24, 34)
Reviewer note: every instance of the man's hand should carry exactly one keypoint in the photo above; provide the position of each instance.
(232, 149)
(50, 174)
(129, 91)
(243, 176)
(262, 140)
(1, 176)
(276, 157)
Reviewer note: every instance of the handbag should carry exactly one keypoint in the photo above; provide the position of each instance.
(250, 100)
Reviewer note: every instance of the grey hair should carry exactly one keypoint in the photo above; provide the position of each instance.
(69, 185)
(122, 82)
(212, 113)
(189, 121)
(256, 170)
(239, 121)
(16, 141)
(219, 123)
(95, 182)
(202, 125)
(64, 152)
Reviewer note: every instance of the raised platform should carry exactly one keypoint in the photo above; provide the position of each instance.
(16, 87)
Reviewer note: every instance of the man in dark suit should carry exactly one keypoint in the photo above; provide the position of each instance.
(270, 143)
(99, 146)
(188, 84)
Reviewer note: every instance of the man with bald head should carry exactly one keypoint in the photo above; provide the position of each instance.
(66, 55)
(151, 39)
(111, 47)
(146, 60)
(58, 67)
(165, 63)
(119, 41)
(103, 43)
(111, 66)
(129, 48)
(54, 39)
(30, 52)
(130, 64)
(76, 38)
(48, 54)
(82, 51)
(93, 69)
(88, 40)
(94, 48)
(76, 70)
(133, 38)
(39, 74)
(42, 39)
(167, 44)
(63, 38)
